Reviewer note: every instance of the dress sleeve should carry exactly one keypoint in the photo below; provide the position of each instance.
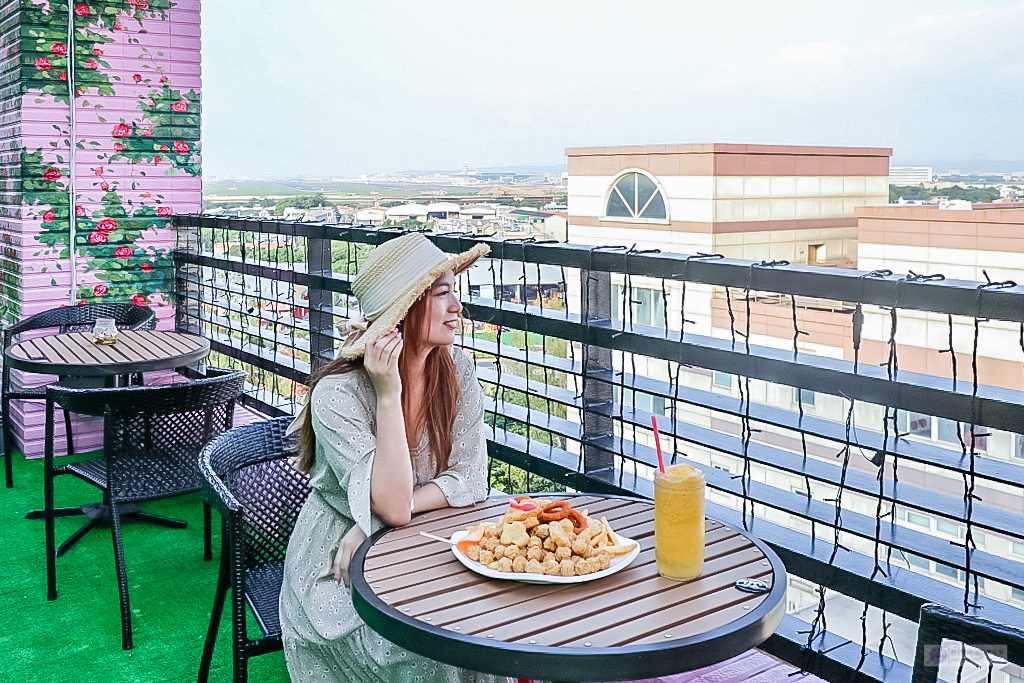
(465, 480)
(347, 443)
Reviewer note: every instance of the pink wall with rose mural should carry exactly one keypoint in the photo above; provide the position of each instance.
(135, 69)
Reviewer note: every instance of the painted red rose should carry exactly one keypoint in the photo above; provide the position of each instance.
(164, 148)
(62, 76)
(82, 10)
(124, 251)
(59, 49)
(142, 5)
(181, 147)
(43, 64)
(104, 187)
(163, 79)
(51, 175)
(79, 91)
(122, 130)
(98, 171)
(163, 211)
(100, 290)
(118, 147)
(117, 25)
(138, 299)
(107, 225)
(97, 237)
(91, 64)
(157, 159)
(97, 51)
(146, 267)
(80, 303)
(137, 78)
(79, 210)
(181, 106)
(146, 132)
(49, 216)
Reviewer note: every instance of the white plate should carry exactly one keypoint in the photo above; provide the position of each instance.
(618, 563)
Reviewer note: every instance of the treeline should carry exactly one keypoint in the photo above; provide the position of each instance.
(972, 194)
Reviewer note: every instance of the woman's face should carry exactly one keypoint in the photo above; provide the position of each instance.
(444, 310)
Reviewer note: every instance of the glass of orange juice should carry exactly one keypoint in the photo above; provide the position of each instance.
(679, 522)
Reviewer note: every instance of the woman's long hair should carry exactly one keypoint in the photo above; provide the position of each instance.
(436, 414)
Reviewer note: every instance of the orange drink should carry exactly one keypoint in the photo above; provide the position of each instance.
(679, 522)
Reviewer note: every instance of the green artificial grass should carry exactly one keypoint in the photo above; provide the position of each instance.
(77, 637)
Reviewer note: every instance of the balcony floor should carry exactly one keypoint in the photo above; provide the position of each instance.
(77, 638)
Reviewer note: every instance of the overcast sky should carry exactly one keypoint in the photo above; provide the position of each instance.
(323, 87)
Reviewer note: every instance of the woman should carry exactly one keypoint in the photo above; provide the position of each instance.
(393, 426)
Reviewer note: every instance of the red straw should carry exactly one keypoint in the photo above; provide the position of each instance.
(657, 443)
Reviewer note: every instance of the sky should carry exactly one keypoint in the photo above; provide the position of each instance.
(333, 87)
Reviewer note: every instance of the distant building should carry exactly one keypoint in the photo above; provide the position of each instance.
(910, 175)
(550, 224)
(406, 211)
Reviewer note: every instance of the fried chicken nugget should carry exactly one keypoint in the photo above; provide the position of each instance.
(581, 548)
(505, 565)
(519, 564)
(535, 542)
(531, 523)
(541, 531)
(535, 554)
(499, 551)
(549, 557)
(549, 544)
(515, 534)
(604, 560)
(486, 557)
(583, 567)
(563, 553)
(559, 535)
(534, 567)
(514, 551)
(489, 542)
(552, 568)
(473, 553)
(567, 568)
(567, 526)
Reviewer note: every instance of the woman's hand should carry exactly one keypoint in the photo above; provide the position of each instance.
(381, 362)
(349, 543)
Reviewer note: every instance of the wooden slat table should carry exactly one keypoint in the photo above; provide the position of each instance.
(76, 355)
(630, 625)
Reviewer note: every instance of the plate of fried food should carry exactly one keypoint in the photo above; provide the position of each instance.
(544, 541)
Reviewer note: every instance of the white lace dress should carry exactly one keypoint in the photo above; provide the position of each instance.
(324, 639)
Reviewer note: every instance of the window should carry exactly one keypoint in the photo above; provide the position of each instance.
(947, 433)
(1017, 594)
(950, 528)
(815, 253)
(946, 570)
(1017, 548)
(918, 520)
(636, 196)
(721, 379)
(804, 396)
(646, 308)
(917, 561)
(916, 424)
(1018, 446)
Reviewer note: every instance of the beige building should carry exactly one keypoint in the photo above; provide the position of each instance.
(745, 201)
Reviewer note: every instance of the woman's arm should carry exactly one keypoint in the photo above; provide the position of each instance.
(391, 479)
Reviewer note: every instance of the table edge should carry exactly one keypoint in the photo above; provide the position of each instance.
(107, 369)
(537, 661)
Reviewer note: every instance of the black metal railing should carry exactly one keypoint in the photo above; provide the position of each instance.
(579, 346)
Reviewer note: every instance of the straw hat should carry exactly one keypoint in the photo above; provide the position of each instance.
(394, 275)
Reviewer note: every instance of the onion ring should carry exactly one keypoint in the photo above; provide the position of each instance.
(555, 512)
(579, 522)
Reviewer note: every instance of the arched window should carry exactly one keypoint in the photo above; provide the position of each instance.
(635, 195)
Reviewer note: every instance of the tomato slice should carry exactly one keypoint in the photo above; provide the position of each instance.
(473, 538)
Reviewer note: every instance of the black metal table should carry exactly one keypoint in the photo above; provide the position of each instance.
(75, 357)
(633, 624)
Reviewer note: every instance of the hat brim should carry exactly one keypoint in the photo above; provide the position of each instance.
(355, 344)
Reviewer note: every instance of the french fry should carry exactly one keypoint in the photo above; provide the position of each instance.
(618, 549)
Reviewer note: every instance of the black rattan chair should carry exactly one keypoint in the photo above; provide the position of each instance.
(152, 437)
(251, 481)
(68, 319)
(938, 622)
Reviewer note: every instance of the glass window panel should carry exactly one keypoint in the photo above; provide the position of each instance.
(947, 431)
(1017, 593)
(917, 561)
(946, 570)
(645, 190)
(919, 520)
(616, 207)
(617, 302)
(1017, 548)
(979, 538)
(1018, 451)
(951, 528)
(658, 405)
(805, 396)
(918, 424)
(722, 379)
(643, 309)
(659, 310)
(656, 209)
(627, 186)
